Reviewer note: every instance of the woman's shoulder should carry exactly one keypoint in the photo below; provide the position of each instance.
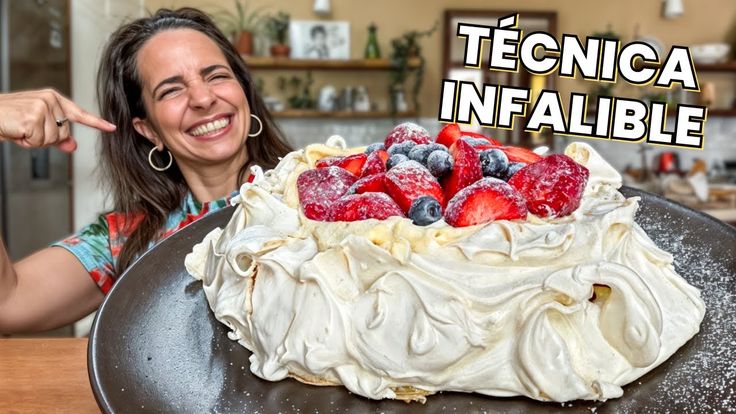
(120, 225)
(193, 210)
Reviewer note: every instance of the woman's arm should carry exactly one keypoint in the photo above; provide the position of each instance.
(50, 288)
(46, 290)
(41, 118)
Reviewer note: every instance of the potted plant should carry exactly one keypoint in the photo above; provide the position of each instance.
(277, 27)
(405, 52)
(241, 25)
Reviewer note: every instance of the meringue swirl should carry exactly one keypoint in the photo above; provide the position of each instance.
(505, 308)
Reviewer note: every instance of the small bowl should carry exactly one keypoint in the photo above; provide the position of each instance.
(710, 52)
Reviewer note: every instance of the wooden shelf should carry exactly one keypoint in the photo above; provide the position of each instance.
(306, 113)
(729, 66)
(722, 112)
(267, 62)
(711, 112)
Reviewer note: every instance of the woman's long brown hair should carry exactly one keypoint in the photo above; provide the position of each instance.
(137, 190)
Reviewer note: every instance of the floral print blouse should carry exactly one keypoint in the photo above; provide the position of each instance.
(98, 245)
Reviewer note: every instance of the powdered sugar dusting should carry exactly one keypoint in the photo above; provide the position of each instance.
(408, 131)
(319, 188)
(411, 180)
(701, 377)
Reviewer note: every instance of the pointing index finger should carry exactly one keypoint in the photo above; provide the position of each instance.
(78, 115)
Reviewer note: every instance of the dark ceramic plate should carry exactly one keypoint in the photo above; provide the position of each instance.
(156, 347)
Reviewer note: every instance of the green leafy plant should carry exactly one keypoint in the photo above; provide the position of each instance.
(242, 20)
(299, 91)
(607, 34)
(406, 50)
(277, 27)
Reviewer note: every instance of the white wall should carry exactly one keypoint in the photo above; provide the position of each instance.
(92, 21)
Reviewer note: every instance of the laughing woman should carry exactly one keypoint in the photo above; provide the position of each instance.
(187, 124)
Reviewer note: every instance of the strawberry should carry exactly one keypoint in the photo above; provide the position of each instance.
(408, 131)
(519, 154)
(375, 163)
(484, 201)
(465, 171)
(372, 183)
(450, 133)
(409, 181)
(353, 163)
(366, 206)
(553, 187)
(319, 188)
(514, 154)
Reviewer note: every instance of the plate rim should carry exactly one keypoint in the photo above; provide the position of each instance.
(93, 343)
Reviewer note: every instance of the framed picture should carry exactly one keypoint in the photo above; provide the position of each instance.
(319, 39)
(454, 68)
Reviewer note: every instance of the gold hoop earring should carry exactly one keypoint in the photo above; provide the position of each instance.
(260, 126)
(154, 166)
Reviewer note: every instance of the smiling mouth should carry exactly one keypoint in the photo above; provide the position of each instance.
(210, 128)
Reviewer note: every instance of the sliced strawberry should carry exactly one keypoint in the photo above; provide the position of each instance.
(519, 154)
(408, 131)
(372, 183)
(319, 188)
(484, 201)
(448, 135)
(409, 181)
(375, 163)
(366, 206)
(353, 163)
(515, 154)
(465, 171)
(330, 161)
(491, 141)
(552, 187)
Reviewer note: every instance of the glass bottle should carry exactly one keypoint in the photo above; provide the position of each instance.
(372, 51)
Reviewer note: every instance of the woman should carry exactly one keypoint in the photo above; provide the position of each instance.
(188, 124)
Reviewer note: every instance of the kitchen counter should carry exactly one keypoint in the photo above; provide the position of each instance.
(42, 375)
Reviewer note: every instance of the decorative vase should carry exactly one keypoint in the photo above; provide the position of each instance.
(399, 100)
(372, 51)
(245, 43)
(280, 50)
(707, 94)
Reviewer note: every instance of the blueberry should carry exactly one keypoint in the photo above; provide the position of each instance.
(374, 147)
(395, 160)
(438, 147)
(494, 163)
(514, 167)
(401, 148)
(425, 211)
(420, 153)
(439, 163)
(474, 142)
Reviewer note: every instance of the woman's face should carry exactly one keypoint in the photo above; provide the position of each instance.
(196, 107)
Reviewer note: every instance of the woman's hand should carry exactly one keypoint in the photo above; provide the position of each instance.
(41, 118)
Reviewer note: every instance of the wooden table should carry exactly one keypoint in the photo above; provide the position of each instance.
(44, 375)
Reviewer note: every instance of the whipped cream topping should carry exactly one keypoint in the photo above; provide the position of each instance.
(502, 309)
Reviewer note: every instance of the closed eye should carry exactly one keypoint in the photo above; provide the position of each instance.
(167, 92)
(220, 76)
